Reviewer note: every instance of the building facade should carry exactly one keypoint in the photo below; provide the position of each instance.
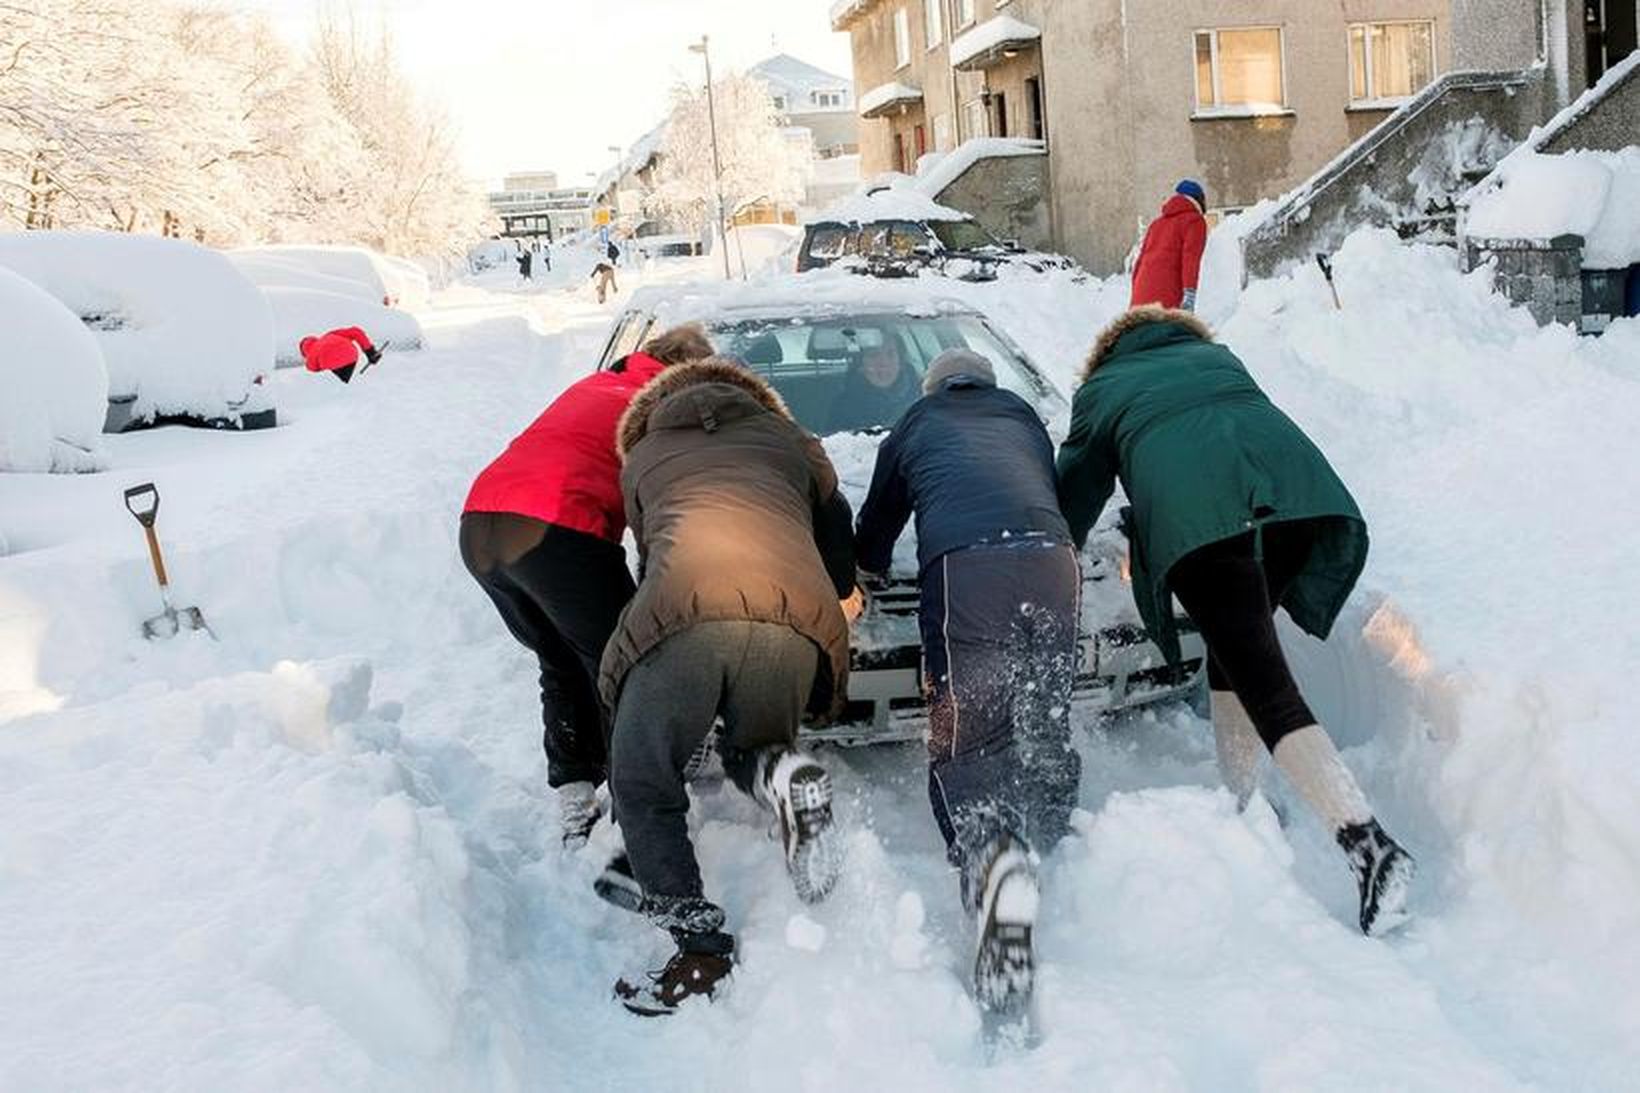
(1251, 97)
(530, 205)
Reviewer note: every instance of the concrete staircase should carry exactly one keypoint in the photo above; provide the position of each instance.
(1408, 172)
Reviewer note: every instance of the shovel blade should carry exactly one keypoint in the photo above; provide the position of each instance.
(168, 622)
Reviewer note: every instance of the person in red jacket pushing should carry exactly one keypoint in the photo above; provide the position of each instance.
(541, 533)
(1170, 260)
(339, 351)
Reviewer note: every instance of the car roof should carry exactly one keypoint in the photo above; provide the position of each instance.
(820, 293)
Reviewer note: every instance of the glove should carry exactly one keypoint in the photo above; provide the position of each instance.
(1189, 302)
(373, 354)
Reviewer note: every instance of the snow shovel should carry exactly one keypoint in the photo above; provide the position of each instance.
(167, 622)
(1325, 262)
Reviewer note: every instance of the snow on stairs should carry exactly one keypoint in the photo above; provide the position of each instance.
(1408, 172)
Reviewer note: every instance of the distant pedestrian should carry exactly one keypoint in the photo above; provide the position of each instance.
(546, 255)
(1170, 259)
(524, 264)
(614, 253)
(606, 279)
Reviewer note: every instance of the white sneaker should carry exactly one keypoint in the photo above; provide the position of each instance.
(799, 791)
(578, 812)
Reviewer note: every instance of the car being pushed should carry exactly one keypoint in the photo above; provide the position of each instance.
(898, 232)
(848, 359)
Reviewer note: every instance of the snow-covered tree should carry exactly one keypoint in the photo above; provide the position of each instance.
(758, 163)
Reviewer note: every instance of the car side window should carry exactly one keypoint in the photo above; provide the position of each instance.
(905, 239)
(828, 242)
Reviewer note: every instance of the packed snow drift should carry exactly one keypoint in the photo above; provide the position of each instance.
(320, 853)
(55, 383)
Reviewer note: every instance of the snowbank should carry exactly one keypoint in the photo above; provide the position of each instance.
(299, 312)
(55, 383)
(181, 330)
(1592, 194)
(902, 202)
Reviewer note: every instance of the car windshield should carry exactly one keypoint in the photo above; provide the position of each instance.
(845, 373)
(962, 234)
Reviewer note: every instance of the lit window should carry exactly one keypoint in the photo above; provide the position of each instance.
(1239, 70)
(1390, 61)
(931, 21)
(902, 38)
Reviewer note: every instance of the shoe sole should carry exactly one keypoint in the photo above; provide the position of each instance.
(813, 852)
(1391, 886)
(1005, 966)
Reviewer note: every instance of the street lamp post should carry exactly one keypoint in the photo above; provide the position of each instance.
(717, 164)
(615, 188)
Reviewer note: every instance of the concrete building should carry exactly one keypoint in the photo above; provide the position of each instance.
(813, 99)
(1252, 97)
(532, 205)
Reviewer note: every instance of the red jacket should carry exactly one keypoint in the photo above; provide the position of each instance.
(336, 349)
(563, 469)
(1170, 260)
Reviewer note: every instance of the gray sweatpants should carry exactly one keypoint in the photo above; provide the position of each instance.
(755, 675)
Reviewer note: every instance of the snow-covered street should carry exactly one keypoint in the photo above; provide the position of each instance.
(320, 852)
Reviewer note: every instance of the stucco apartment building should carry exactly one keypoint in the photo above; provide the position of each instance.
(1249, 96)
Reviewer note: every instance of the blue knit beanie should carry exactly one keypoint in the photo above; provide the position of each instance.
(1191, 188)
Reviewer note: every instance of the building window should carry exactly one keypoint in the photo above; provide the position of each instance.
(826, 98)
(1000, 101)
(902, 38)
(931, 22)
(1036, 124)
(965, 12)
(974, 118)
(1239, 71)
(1390, 61)
(921, 135)
(779, 103)
(942, 132)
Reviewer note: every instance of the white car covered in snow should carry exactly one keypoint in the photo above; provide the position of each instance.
(809, 336)
(314, 289)
(186, 339)
(55, 383)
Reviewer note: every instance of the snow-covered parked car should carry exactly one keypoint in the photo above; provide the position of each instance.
(300, 312)
(55, 383)
(391, 282)
(895, 231)
(185, 337)
(813, 338)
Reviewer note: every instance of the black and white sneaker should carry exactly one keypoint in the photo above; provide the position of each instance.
(799, 791)
(616, 885)
(1383, 871)
(1007, 901)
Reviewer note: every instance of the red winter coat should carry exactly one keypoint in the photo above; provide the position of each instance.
(1170, 260)
(336, 349)
(564, 469)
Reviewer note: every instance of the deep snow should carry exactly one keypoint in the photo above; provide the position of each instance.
(320, 854)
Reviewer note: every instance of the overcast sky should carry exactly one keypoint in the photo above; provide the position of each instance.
(550, 84)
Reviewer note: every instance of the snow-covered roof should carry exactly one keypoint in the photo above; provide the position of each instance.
(637, 157)
(1592, 194)
(797, 80)
(887, 96)
(843, 10)
(888, 203)
(951, 166)
(978, 47)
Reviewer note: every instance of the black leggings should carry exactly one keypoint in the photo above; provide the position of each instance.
(560, 592)
(1231, 596)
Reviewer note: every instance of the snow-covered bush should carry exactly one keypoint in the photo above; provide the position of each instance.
(55, 384)
(182, 332)
(299, 312)
(1592, 194)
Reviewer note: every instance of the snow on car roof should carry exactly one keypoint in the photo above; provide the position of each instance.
(894, 202)
(806, 294)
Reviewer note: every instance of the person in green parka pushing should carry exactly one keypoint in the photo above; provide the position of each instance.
(1236, 513)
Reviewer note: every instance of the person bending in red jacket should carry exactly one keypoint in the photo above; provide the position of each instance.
(541, 533)
(1170, 260)
(339, 351)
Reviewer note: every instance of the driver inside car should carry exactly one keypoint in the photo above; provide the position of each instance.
(877, 390)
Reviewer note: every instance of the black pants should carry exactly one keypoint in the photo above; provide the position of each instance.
(999, 652)
(1231, 594)
(756, 676)
(560, 592)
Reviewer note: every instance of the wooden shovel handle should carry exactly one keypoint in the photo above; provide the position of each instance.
(154, 554)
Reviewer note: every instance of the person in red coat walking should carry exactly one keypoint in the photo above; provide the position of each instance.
(541, 533)
(339, 352)
(1170, 260)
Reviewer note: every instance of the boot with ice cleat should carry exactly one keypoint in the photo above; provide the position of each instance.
(697, 970)
(1383, 871)
(799, 791)
(1003, 893)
